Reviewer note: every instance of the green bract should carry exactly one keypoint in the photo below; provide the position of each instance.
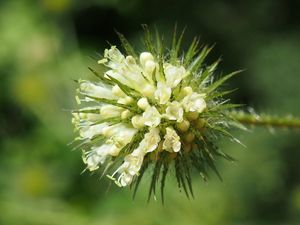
(155, 110)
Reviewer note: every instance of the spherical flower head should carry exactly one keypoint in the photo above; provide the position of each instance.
(152, 109)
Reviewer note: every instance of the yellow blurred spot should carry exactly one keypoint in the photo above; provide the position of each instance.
(56, 5)
(30, 90)
(296, 199)
(34, 181)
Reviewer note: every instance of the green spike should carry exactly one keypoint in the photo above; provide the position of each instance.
(148, 39)
(101, 77)
(154, 179)
(163, 180)
(114, 102)
(127, 90)
(219, 82)
(139, 178)
(127, 46)
(197, 62)
(192, 51)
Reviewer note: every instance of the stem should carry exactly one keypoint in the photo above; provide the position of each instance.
(265, 120)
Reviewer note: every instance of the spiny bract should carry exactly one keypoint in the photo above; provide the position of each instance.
(153, 110)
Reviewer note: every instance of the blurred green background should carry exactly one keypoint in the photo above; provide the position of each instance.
(46, 44)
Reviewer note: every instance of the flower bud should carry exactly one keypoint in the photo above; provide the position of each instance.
(192, 115)
(200, 123)
(146, 56)
(130, 60)
(137, 121)
(187, 91)
(125, 114)
(143, 103)
(150, 66)
(189, 137)
(148, 91)
(183, 126)
(116, 90)
(126, 100)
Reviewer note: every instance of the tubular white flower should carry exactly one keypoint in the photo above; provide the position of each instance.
(119, 133)
(149, 143)
(92, 161)
(174, 75)
(174, 111)
(85, 117)
(151, 117)
(90, 89)
(148, 91)
(114, 57)
(149, 68)
(124, 137)
(171, 141)
(162, 93)
(99, 154)
(133, 162)
(126, 71)
(116, 90)
(138, 121)
(143, 103)
(194, 102)
(125, 101)
(107, 149)
(125, 114)
(128, 169)
(144, 57)
(148, 64)
(187, 91)
(87, 132)
(108, 111)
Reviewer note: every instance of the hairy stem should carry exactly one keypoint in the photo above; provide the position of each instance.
(265, 120)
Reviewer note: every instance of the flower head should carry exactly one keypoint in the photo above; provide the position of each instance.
(151, 108)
